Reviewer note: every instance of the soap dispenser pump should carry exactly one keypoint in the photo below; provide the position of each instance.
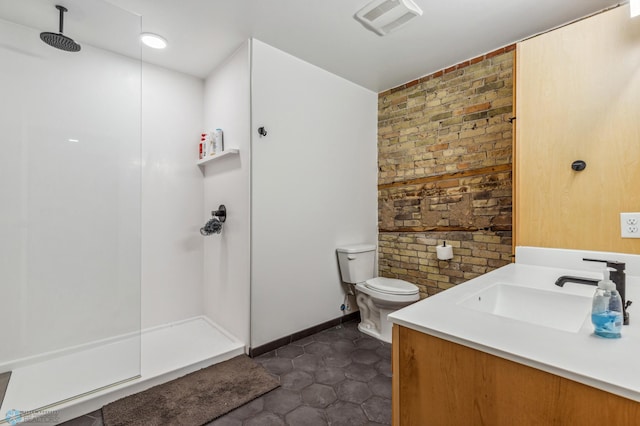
(606, 312)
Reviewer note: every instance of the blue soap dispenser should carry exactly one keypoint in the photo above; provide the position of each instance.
(606, 311)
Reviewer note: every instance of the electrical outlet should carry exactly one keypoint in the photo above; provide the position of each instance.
(630, 225)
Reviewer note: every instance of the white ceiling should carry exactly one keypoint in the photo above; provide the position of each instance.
(202, 33)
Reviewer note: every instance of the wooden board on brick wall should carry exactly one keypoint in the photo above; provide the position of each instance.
(578, 98)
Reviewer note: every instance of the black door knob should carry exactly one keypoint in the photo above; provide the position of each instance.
(578, 165)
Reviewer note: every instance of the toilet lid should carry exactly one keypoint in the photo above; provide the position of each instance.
(391, 286)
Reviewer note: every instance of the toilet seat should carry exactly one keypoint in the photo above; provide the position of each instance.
(391, 286)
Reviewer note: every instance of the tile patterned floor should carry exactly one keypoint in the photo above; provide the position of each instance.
(336, 377)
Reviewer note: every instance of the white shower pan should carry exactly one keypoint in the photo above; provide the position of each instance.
(168, 352)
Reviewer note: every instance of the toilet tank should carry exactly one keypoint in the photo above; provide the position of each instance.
(357, 262)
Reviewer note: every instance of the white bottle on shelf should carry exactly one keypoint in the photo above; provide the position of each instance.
(218, 141)
(205, 145)
(211, 149)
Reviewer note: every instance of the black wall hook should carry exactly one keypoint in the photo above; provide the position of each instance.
(262, 131)
(578, 165)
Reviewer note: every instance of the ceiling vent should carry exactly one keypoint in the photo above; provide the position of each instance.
(385, 16)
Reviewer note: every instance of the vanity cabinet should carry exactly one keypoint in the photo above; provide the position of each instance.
(440, 383)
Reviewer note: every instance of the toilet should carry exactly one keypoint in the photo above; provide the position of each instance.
(376, 297)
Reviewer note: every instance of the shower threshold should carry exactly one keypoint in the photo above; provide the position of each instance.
(78, 383)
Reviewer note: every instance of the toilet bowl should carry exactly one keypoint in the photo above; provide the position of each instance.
(376, 297)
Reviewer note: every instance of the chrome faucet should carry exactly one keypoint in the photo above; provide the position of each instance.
(617, 275)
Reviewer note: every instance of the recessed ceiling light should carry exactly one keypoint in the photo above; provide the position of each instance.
(153, 40)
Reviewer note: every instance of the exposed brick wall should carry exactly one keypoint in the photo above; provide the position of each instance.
(444, 157)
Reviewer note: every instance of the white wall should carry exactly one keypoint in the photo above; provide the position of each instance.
(172, 188)
(227, 181)
(314, 180)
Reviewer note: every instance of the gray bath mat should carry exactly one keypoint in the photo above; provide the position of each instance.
(4, 382)
(194, 399)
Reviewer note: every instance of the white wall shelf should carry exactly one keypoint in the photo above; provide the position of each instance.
(228, 151)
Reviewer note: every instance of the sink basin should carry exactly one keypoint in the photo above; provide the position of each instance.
(546, 308)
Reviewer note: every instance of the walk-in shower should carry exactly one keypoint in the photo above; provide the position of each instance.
(75, 278)
(70, 227)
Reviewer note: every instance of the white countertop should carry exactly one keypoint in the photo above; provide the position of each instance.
(612, 365)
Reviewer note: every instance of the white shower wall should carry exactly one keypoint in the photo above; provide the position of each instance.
(227, 181)
(172, 203)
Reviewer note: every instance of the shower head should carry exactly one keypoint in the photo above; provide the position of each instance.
(59, 40)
